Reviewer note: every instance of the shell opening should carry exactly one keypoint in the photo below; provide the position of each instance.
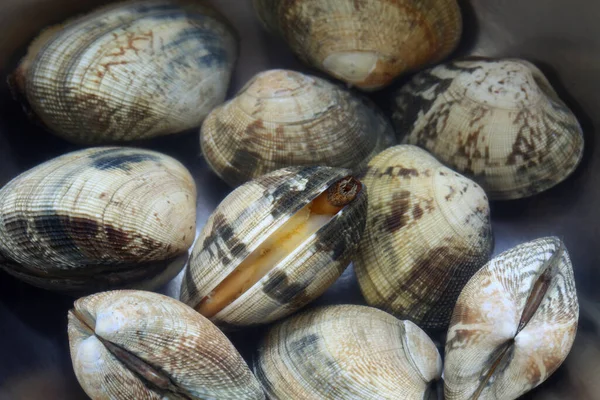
(281, 243)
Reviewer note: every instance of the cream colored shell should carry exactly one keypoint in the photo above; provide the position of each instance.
(284, 118)
(488, 320)
(428, 231)
(497, 121)
(98, 218)
(129, 345)
(366, 43)
(347, 352)
(129, 71)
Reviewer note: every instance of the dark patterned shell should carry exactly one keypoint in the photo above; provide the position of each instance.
(98, 218)
(514, 323)
(253, 212)
(128, 345)
(285, 118)
(366, 43)
(347, 352)
(428, 231)
(497, 121)
(129, 71)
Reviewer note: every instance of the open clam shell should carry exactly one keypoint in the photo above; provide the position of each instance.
(98, 218)
(284, 118)
(514, 323)
(128, 71)
(275, 244)
(497, 121)
(428, 231)
(365, 43)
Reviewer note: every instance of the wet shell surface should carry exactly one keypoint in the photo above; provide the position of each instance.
(129, 71)
(365, 43)
(428, 231)
(98, 218)
(514, 323)
(140, 345)
(285, 118)
(275, 244)
(347, 352)
(499, 122)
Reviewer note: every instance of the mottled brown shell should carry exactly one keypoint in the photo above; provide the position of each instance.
(130, 344)
(428, 231)
(129, 71)
(347, 352)
(365, 43)
(514, 323)
(284, 118)
(497, 121)
(98, 218)
(251, 213)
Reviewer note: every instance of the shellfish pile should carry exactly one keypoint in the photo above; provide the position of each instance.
(318, 183)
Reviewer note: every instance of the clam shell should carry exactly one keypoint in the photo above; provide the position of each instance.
(129, 71)
(492, 350)
(497, 121)
(141, 345)
(365, 43)
(249, 215)
(347, 352)
(285, 118)
(428, 230)
(98, 218)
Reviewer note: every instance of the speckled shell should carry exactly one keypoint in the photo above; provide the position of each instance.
(488, 318)
(347, 352)
(99, 218)
(497, 121)
(182, 353)
(129, 71)
(253, 212)
(428, 231)
(285, 118)
(366, 43)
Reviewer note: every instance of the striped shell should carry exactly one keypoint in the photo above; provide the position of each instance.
(131, 344)
(129, 71)
(249, 215)
(514, 323)
(347, 352)
(428, 231)
(497, 121)
(285, 118)
(366, 43)
(98, 218)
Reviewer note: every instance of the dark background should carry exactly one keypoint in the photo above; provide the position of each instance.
(561, 37)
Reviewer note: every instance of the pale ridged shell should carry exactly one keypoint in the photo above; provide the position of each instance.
(182, 354)
(347, 352)
(488, 317)
(366, 43)
(285, 118)
(129, 71)
(428, 231)
(253, 212)
(98, 218)
(497, 121)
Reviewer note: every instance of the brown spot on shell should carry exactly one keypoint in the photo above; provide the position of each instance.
(279, 287)
(408, 172)
(417, 212)
(400, 205)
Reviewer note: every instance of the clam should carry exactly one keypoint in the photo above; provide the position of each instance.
(514, 323)
(99, 218)
(275, 244)
(140, 345)
(499, 122)
(365, 43)
(428, 231)
(285, 118)
(347, 352)
(129, 71)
